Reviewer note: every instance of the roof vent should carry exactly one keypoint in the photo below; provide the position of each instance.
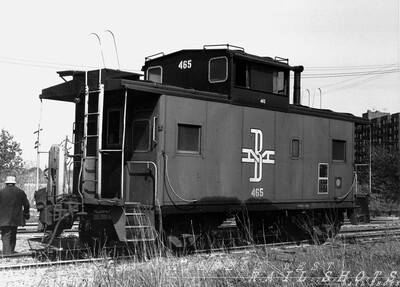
(223, 46)
(283, 60)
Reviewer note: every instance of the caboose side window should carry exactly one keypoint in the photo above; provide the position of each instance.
(295, 148)
(141, 135)
(154, 74)
(218, 70)
(114, 124)
(278, 82)
(189, 139)
(323, 172)
(339, 150)
(241, 75)
(259, 78)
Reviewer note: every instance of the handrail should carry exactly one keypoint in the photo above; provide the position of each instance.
(154, 130)
(123, 144)
(155, 174)
(151, 57)
(100, 136)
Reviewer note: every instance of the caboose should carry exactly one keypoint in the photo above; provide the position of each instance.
(202, 136)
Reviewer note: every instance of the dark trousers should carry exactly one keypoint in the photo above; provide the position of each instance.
(9, 238)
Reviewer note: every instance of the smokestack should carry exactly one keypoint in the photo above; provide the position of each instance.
(296, 84)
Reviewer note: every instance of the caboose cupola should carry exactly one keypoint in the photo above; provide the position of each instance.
(246, 79)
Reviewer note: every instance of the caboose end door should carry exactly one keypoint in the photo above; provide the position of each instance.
(140, 165)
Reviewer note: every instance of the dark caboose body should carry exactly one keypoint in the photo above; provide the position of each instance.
(208, 135)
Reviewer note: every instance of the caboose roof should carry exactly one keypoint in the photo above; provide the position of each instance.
(163, 89)
(234, 53)
(68, 90)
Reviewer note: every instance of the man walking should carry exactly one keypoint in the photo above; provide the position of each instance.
(12, 199)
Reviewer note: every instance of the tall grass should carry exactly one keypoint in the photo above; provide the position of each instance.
(334, 263)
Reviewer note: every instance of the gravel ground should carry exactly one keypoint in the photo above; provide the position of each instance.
(71, 275)
(67, 275)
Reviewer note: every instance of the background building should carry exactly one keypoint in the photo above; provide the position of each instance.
(380, 135)
(383, 131)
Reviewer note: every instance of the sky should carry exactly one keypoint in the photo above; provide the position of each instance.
(349, 49)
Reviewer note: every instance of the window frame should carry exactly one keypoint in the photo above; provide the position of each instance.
(291, 148)
(320, 178)
(275, 81)
(343, 159)
(249, 70)
(199, 139)
(120, 132)
(241, 66)
(148, 138)
(155, 67)
(226, 70)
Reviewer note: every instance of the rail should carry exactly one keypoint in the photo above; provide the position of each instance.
(50, 263)
(32, 228)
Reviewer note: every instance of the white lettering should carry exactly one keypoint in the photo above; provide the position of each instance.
(257, 156)
(185, 64)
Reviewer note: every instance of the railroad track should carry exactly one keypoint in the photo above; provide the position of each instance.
(73, 261)
(33, 228)
(47, 264)
(370, 234)
(355, 234)
(377, 220)
(255, 247)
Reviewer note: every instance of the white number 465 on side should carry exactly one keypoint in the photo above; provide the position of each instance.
(185, 64)
(257, 192)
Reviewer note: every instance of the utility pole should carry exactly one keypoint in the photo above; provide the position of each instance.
(37, 147)
(38, 152)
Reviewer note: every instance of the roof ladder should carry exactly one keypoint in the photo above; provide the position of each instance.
(92, 139)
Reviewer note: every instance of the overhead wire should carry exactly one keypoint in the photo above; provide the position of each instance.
(354, 84)
(33, 63)
(350, 74)
(353, 73)
(50, 65)
(355, 67)
(351, 79)
(358, 75)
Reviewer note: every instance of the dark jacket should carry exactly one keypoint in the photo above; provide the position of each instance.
(12, 199)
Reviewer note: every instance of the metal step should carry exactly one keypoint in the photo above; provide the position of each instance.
(92, 114)
(138, 224)
(140, 240)
(135, 214)
(139, 232)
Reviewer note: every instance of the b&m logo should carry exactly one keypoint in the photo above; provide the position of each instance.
(257, 156)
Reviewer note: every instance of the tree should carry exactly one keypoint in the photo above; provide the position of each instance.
(386, 174)
(10, 154)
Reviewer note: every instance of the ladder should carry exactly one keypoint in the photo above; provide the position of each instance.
(92, 139)
(139, 224)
